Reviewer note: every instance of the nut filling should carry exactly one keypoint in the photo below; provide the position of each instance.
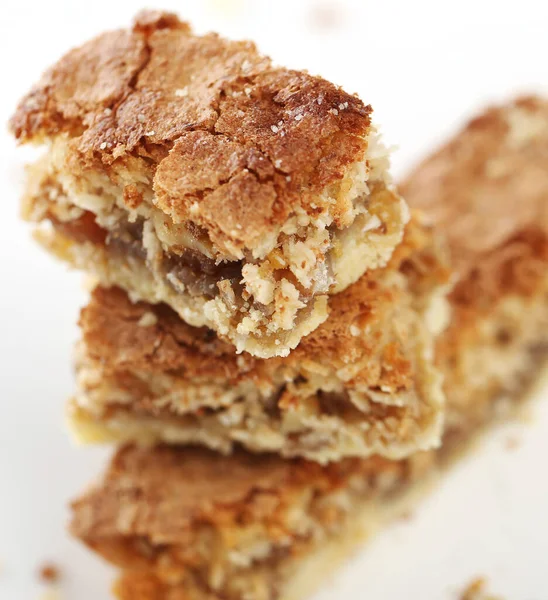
(189, 271)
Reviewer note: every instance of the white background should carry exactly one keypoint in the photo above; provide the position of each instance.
(424, 65)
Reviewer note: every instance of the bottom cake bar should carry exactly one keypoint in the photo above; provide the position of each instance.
(188, 524)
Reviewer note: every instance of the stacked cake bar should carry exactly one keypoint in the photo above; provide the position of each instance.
(189, 170)
(271, 325)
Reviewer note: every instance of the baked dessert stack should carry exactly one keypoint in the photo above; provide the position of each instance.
(270, 324)
(187, 524)
(232, 211)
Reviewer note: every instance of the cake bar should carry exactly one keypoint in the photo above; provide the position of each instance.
(362, 383)
(189, 170)
(487, 192)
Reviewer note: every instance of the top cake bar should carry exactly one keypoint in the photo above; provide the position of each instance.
(189, 170)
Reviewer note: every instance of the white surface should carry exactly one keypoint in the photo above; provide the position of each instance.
(423, 65)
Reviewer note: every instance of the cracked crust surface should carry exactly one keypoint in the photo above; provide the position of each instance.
(361, 383)
(215, 105)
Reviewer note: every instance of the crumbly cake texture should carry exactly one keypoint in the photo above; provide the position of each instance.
(190, 170)
(363, 383)
(247, 518)
(273, 519)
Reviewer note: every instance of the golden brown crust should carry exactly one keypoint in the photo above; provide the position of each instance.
(113, 336)
(137, 585)
(254, 141)
(202, 161)
(87, 80)
(517, 267)
(128, 519)
(142, 585)
(487, 192)
(500, 155)
(110, 326)
(148, 21)
(161, 480)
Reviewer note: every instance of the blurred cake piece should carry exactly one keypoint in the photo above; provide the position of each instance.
(189, 170)
(188, 524)
(487, 192)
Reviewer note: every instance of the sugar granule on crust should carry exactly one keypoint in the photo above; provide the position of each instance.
(49, 572)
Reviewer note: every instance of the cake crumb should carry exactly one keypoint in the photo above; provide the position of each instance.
(512, 443)
(326, 16)
(49, 572)
(51, 594)
(148, 319)
(406, 516)
(476, 590)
